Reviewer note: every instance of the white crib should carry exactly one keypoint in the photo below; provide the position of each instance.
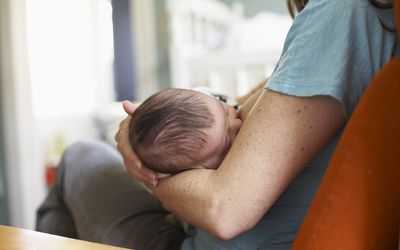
(207, 46)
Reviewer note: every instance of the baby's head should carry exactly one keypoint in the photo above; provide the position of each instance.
(179, 129)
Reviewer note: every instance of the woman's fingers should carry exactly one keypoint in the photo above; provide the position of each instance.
(130, 107)
(132, 162)
(140, 174)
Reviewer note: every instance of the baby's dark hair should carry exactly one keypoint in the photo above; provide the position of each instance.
(167, 131)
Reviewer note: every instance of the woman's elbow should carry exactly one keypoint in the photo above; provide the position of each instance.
(227, 229)
(225, 224)
(224, 231)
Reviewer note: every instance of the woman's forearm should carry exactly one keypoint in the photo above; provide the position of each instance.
(277, 140)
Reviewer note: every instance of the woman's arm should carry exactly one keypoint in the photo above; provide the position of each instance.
(256, 90)
(279, 138)
(248, 104)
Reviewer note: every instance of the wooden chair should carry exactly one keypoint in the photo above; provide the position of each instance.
(357, 206)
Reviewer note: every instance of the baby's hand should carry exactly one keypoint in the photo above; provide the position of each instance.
(132, 162)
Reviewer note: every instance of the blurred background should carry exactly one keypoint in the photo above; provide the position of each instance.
(65, 65)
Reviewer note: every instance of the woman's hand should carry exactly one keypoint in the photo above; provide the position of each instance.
(132, 162)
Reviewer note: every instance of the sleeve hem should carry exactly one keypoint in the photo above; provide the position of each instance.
(308, 91)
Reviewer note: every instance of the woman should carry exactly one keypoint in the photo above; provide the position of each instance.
(259, 195)
(329, 58)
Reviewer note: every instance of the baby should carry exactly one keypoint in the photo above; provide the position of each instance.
(179, 129)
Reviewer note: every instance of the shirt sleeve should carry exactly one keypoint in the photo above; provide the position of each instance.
(333, 48)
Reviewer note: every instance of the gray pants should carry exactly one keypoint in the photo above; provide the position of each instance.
(94, 199)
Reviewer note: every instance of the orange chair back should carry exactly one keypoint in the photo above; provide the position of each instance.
(357, 205)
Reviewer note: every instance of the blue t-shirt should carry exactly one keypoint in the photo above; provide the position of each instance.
(333, 48)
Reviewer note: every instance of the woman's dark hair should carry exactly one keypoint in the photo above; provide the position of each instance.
(380, 5)
(295, 6)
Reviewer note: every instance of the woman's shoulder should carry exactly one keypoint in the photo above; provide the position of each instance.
(349, 14)
(335, 13)
(341, 2)
(333, 48)
(335, 7)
